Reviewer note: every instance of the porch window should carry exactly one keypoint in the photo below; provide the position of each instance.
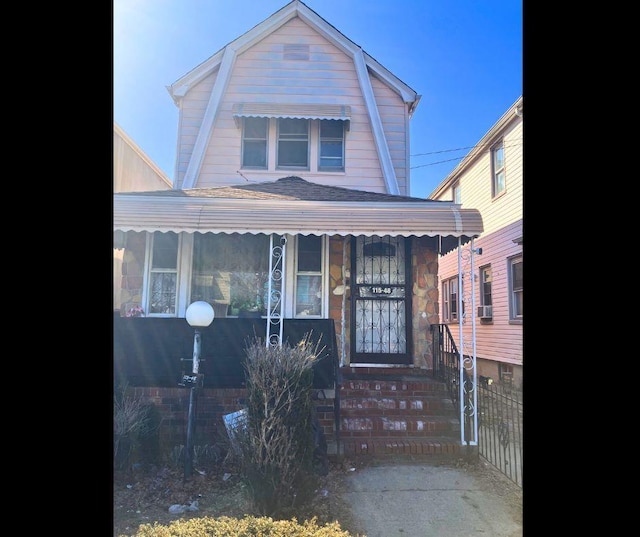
(516, 305)
(163, 273)
(231, 272)
(309, 281)
(293, 143)
(331, 145)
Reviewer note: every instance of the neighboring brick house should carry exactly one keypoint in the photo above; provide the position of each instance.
(290, 198)
(490, 179)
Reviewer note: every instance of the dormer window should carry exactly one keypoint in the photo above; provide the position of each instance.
(283, 137)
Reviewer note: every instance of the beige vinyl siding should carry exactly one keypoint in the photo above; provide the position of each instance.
(192, 112)
(133, 170)
(476, 185)
(261, 75)
(393, 113)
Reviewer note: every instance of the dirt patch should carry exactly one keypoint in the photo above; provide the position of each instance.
(144, 496)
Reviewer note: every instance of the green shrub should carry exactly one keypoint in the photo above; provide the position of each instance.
(245, 527)
(277, 444)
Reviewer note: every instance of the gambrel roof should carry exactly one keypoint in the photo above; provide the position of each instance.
(223, 61)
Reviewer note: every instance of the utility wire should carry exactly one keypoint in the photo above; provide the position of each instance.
(451, 150)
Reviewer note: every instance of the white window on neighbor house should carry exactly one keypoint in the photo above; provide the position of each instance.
(457, 193)
(486, 280)
(516, 304)
(163, 274)
(331, 145)
(497, 169)
(255, 134)
(309, 281)
(293, 144)
(450, 300)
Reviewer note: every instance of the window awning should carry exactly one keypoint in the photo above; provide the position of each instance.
(292, 111)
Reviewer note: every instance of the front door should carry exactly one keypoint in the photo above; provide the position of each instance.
(381, 301)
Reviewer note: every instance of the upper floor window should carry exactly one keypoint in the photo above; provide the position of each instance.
(305, 144)
(254, 142)
(516, 304)
(331, 145)
(457, 193)
(163, 273)
(293, 143)
(497, 168)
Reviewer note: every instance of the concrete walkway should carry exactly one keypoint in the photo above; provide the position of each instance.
(425, 500)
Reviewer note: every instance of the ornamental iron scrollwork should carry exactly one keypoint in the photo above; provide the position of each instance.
(274, 291)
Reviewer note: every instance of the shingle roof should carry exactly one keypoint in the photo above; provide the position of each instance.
(286, 188)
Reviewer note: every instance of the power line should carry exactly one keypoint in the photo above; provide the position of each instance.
(460, 149)
(450, 150)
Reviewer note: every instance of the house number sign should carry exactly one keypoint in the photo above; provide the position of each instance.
(377, 290)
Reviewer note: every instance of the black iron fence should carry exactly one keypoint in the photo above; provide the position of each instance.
(499, 407)
(500, 428)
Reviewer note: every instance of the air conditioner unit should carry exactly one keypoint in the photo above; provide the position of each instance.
(485, 312)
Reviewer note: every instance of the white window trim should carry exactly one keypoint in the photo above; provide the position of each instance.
(313, 150)
(510, 262)
(291, 274)
(146, 279)
(495, 171)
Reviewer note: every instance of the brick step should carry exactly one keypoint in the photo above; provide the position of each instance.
(397, 426)
(437, 447)
(392, 387)
(389, 373)
(356, 404)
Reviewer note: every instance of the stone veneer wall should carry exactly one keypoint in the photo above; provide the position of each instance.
(335, 301)
(132, 271)
(424, 269)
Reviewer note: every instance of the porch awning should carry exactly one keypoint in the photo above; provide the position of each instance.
(293, 111)
(222, 215)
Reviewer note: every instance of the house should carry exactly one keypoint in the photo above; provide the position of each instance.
(490, 179)
(132, 171)
(290, 201)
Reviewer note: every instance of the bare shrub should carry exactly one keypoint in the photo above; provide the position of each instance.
(133, 421)
(277, 443)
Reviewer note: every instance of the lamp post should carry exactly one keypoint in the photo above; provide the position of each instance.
(199, 315)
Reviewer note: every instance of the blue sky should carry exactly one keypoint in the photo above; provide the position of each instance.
(463, 56)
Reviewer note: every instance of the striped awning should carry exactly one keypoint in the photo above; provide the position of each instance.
(293, 111)
(222, 215)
